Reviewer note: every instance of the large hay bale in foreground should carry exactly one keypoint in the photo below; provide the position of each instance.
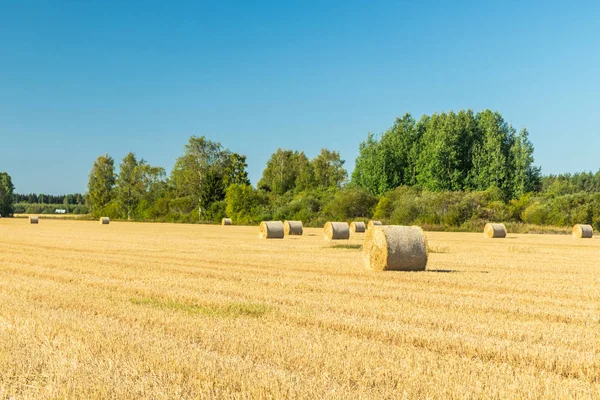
(104, 221)
(358, 227)
(337, 231)
(271, 230)
(226, 221)
(371, 224)
(33, 220)
(293, 228)
(395, 248)
(583, 231)
(494, 231)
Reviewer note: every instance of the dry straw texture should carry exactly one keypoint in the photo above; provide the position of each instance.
(357, 227)
(337, 231)
(494, 231)
(104, 221)
(271, 230)
(395, 248)
(293, 227)
(178, 311)
(583, 231)
(33, 220)
(226, 221)
(371, 224)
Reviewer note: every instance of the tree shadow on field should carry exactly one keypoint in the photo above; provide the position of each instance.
(454, 271)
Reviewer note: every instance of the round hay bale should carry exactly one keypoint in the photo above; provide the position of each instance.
(293, 228)
(395, 248)
(337, 231)
(271, 230)
(583, 231)
(33, 220)
(104, 221)
(226, 221)
(358, 227)
(494, 231)
(371, 224)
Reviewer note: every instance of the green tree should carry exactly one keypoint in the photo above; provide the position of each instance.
(283, 171)
(6, 195)
(328, 169)
(369, 172)
(101, 183)
(204, 164)
(130, 184)
(235, 170)
(246, 204)
(491, 153)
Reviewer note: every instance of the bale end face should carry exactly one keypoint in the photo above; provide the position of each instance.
(226, 221)
(270, 230)
(395, 248)
(581, 231)
(104, 221)
(33, 220)
(336, 231)
(494, 231)
(293, 228)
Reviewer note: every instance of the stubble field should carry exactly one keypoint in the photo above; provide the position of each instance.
(168, 311)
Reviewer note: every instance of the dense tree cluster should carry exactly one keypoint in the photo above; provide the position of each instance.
(454, 170)
(449, 152)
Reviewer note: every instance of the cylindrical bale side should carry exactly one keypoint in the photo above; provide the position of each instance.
(395, 248)
(33, 220)
(104, 221)
(371, 224)
(358, 227)
(494, 231)
(337, 231)
(226, 221)
(271, 230)
(293, 228)
(581, 231)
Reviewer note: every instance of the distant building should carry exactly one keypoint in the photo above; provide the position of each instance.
(58, 211)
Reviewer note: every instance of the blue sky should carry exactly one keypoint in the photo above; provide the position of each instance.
(80, 78)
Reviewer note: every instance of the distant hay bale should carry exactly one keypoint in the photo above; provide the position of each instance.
(395, 248)
(583, 231)
(226, 221)
(293, 228)
(104, 221)
(371, 224)
(271, 230)
(337, 231)
(494, 231)
(357, 227)
(33, 220)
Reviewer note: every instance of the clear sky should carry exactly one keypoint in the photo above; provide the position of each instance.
(80, 78)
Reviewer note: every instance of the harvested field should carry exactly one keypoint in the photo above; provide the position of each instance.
(196, 311)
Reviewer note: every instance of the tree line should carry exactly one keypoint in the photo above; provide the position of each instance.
(453, 170)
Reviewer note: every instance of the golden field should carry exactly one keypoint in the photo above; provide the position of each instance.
(167, 311)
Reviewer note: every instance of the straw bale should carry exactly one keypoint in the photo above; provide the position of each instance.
(271, 230)
(395, 248)
(337, 231)
(293, 228)
(494, 231)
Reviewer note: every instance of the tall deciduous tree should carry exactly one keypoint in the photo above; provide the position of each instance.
(130, 183)
(6, 195)
(205, 164)
(101, 183)
(283, 171)
(328, 169)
